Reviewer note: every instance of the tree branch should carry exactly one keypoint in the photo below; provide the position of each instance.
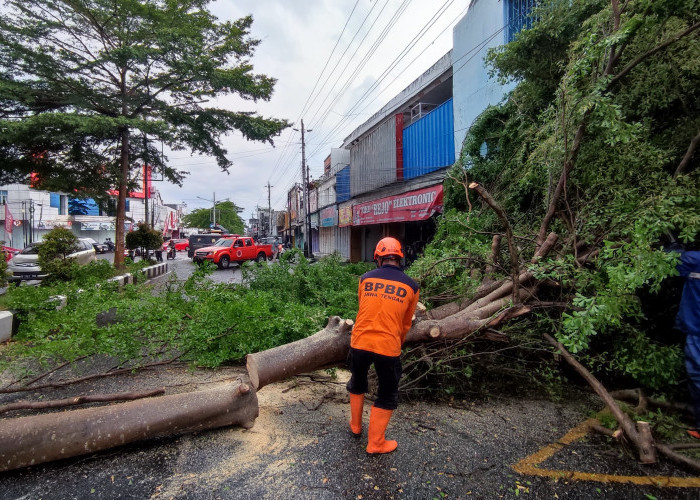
(79, 400)
(89, 377)
(514, 256)
(688, 155)
(650, 53)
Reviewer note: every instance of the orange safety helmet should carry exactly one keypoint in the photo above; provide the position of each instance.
(387, 247)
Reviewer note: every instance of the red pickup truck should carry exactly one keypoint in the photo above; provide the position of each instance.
(237, 249)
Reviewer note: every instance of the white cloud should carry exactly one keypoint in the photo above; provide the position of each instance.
(297, 38)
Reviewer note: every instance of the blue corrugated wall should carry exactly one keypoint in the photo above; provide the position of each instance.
(428, 144)
(342, 185)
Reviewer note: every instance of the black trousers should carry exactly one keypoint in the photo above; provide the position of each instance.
(388, 370)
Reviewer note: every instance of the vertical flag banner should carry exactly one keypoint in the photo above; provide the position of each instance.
(9, 222)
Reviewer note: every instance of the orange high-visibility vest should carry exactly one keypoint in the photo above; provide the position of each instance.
(388, 299)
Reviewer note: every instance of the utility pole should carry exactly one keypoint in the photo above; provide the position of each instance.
(269, 209)
(213, 217)
(305, 187)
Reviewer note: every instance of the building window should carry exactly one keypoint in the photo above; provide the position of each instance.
(3, 197)
(518, 16)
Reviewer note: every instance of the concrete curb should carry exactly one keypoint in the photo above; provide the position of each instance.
(8, 325)
(154, 271)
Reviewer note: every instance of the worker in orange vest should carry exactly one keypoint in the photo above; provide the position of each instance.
(388, 299)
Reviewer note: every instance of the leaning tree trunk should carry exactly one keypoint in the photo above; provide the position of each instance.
(42, 438)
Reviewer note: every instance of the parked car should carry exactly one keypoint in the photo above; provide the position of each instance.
(25, 265)
(198, 241)
(236, 249)
(181, 245)
(99, 247)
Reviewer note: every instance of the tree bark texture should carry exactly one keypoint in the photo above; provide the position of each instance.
(326, 347)
(42, 438)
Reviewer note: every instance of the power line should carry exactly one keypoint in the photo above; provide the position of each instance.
(397, 15)
(330, 73)
(473, 51)
(392, 65)
(303, 109)
(284, 152)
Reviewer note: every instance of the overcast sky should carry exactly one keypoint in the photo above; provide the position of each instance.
(298, 39)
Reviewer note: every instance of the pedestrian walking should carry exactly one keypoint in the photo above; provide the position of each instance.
(388, 299)
(275, 249)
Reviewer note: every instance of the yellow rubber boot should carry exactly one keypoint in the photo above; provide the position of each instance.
(378, 421)
(357, 402)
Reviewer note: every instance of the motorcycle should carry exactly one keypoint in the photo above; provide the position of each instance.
(171, 253)
(110, 245)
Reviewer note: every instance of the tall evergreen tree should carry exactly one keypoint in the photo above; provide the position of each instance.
(86, 85)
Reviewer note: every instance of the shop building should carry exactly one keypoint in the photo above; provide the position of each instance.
(398, 160)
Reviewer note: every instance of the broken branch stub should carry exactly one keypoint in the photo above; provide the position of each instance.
(37, 439)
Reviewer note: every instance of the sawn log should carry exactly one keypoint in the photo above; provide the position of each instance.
(324, 348)
(36, 439)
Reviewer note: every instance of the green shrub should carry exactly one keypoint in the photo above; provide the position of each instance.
(207, 324)
(54, 250)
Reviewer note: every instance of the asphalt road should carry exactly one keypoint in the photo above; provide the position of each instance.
(503, 446)
(299, 448)
(182, 266)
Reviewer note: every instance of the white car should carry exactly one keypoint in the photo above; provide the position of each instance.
(25, 265)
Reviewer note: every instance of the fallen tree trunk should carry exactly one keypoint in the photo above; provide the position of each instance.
(330, 346)
(325, 348)
(42, 438)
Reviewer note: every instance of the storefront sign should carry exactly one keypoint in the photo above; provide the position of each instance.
(345, 216)
(313, 220)
(329, 217)
(97, 226)
(51, 224)
(411, 206)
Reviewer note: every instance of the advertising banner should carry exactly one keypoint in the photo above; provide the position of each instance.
(411, 206)
(9, 220)
(345, 216)
(97, 226)
(329, 217)
(313, 200)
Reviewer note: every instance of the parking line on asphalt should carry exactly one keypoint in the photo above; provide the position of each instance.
(528, 465)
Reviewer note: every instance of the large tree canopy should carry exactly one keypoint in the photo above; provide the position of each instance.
(87, 86)
(598, 143)
(226, 215)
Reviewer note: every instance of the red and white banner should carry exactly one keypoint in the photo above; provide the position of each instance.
(412, 206)
(9, 221)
